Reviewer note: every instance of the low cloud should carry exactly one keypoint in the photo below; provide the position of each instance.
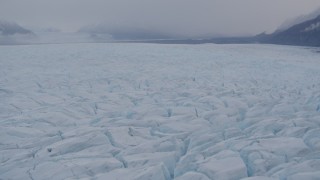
(189, 18)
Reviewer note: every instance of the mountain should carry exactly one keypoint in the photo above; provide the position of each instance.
(11, 33)
(10, 28)
(297, 20)
(301, 31)
(303, 34)
(306, 33)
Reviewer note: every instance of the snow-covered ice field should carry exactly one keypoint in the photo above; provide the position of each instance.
(159, 112)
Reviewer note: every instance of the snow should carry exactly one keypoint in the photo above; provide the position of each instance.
(315, 26)
(151, 111)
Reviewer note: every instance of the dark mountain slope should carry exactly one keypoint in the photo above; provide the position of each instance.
(304, 34)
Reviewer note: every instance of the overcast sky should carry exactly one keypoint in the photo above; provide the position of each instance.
(185, 17)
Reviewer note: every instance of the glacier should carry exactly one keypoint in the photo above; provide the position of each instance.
(161, 112)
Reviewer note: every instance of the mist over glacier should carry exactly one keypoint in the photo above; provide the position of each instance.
(187, 18)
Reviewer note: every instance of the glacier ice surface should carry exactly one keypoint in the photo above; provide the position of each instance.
(151, 111)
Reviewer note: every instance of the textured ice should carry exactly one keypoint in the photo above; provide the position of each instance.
(148, 111)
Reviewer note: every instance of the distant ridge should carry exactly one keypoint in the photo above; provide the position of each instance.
(123, 33)
(12, 34)
(300, 19)
(303, 34)
(10, 28)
